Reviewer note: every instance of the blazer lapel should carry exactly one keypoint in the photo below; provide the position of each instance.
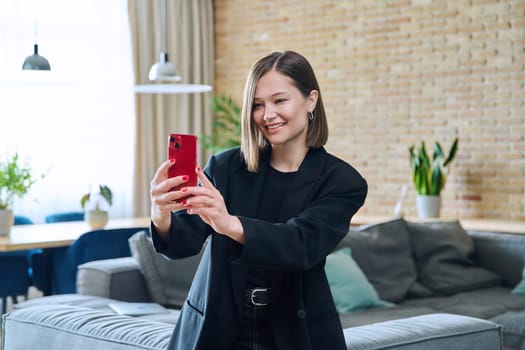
(246, 188)
(245, 191)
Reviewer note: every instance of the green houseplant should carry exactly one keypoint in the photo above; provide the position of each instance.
(96, 204)
(429, 175)
(16, 179)
(226, 127)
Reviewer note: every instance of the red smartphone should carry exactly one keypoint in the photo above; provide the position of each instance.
(183, 148)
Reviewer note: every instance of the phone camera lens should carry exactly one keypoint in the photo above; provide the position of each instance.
(177, 145)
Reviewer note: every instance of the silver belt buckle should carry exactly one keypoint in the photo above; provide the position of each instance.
(252, 296)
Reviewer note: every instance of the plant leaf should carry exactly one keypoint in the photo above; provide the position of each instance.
(451, 152)
(438, 152)
(106, 193)
(226, 125)
(437, 176)
(84, 200)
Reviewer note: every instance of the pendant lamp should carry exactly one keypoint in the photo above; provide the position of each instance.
(164, 71)
(35, 61)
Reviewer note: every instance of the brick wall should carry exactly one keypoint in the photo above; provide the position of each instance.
(394, 73)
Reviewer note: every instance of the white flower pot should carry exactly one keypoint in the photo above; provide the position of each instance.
(428, 206)
(96, 219)
(6, 221)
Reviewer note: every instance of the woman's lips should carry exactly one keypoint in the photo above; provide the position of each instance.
(274, 127)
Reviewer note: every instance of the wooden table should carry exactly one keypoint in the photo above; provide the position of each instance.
(62, 234)
(490, 225)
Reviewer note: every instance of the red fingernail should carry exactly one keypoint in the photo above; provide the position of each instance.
(183, 202)
(184, 189)
(172, 160)
(185, 178)
(198, 168)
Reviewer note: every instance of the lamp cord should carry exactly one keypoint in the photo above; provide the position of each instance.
(164, 29)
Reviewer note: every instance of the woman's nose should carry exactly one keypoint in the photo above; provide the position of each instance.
(268, 114)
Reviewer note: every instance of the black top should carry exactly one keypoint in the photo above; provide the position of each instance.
(275, 188)
(321, 199)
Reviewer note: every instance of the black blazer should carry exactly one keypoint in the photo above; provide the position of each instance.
(323, 197)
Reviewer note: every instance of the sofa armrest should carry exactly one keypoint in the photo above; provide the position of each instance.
(117, 278)
(432, 331)
(501, 253)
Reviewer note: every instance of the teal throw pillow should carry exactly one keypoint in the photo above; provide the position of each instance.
(350, 288)
(520, 288)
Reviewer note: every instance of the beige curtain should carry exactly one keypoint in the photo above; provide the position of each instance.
(191, 49)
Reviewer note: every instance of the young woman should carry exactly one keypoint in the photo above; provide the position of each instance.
(274, 209)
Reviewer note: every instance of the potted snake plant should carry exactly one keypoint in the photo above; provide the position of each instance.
(429, 176)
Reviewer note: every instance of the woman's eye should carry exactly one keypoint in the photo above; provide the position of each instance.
(257, 105)
(280, 100)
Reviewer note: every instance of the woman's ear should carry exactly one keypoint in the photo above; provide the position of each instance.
(312, 100)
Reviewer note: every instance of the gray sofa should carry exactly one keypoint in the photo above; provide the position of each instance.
(441, 288)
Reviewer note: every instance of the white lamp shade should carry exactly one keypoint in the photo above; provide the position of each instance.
(171, 88)
(163, 71)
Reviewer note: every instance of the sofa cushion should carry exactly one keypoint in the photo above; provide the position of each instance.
(444, 251)
(500, 252)
(167, 281)
(350, 288)
(520, 288)
(95, 303)
(481, 303)
(382, 251)
(513, 323)
(54, 326)
(105, 278)
(436, 331)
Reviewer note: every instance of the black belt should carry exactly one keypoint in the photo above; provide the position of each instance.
(259, 296)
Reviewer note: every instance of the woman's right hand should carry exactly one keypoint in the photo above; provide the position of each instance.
(164, 201)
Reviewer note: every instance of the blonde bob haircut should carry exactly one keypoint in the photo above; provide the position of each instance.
(297, 68)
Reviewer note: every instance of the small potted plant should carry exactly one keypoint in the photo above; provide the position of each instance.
(430, 176)
(15, 181)
(96, 204)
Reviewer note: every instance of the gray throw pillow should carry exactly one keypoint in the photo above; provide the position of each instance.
(383, 253)
(444, 252)
(167, 281)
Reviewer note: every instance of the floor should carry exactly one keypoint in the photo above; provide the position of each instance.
(31, 294)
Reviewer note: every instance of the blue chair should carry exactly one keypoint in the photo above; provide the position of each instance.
(40, 262)
(22, 220)
(66, 216)
(16, 279)
(93, 245)
(15, 267)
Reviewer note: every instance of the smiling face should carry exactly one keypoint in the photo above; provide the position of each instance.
(283, 87)
(280, 111)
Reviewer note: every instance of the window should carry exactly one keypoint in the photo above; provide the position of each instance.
(76, 122)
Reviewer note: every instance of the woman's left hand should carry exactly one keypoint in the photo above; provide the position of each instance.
(207, 202)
